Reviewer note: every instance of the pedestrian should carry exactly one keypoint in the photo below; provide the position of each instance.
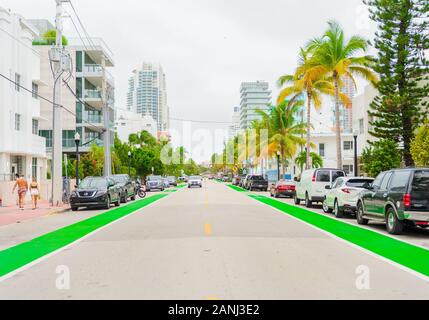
(35, 192)
(22, 186)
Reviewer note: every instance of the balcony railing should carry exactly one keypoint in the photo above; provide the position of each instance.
(92, 118)
(92, 68)
(92, 94)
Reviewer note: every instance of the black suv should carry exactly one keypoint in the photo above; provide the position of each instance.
(128, 187)
(400, 198)
(256, 182)
(95, 192)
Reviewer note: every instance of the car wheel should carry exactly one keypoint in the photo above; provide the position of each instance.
(359, 215)
(277, 195)
(308, 202)
(133, 198)
(394, 225)
(118, 203)
(296, 201)
(339, 213)
(74, 208)
(107, 203)
(125, 197)
(325, 208)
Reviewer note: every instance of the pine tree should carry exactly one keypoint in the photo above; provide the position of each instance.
(401, 40)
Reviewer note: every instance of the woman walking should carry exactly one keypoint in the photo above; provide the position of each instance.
(35, 192)
(22, 185)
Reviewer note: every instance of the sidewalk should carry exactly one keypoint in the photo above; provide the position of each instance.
(11, 214)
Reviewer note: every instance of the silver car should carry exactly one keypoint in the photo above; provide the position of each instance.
(195, 181)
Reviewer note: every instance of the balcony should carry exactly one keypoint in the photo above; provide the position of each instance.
(94, 73)
(93, 98)
(38, 146)
(92, 120)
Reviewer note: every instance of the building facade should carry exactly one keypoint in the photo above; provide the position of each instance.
(254, 96)
(22, 151)
(234, 128)
(147, 94)
(128, 122)
(346, 111)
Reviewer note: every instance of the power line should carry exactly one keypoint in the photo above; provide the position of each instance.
(20, 41)
(82, 26)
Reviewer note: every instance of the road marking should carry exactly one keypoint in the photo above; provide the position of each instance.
(211, 298)
(208, 229)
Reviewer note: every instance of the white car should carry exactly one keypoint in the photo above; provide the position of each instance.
(312, 185)
(195, 181)
(344, 194)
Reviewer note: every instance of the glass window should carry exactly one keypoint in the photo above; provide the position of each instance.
(17, 122)
(323, 176)
(35, 126)
(17, 82)
(338, 183)
(35, 91)
(337, 174)
(361, 126)
(97, 183)
(47, 134)
(400, 181)
(377, 182)
(322, 149)
(385, 182)
(78, 61)
(348, 145)
(34, 168)
(359, 183)
(421, 181)
(348, 168)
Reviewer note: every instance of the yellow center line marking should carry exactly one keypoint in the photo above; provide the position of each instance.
(208, 229)
(211, 298)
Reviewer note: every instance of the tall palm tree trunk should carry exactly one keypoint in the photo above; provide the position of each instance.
(337, 123)
(307, 163)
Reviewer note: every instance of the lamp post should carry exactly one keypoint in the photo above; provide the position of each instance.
(77, 142)
(278, 165)
(129, 163)
(355, 136)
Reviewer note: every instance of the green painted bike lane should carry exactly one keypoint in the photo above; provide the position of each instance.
(25, 253)
(400, 252)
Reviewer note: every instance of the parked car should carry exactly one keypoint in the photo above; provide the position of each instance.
(95, 192)
(312, 185)
(128, 187)
(183, 178)
(243, 181)
(283, 188)
(166, 183)
(195, 181)
(172, 181)
(256, 182)
(343, 195)
(399, 197)
(154, 183)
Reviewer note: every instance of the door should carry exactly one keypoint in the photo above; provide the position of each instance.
(381, 196)
(368, 196)
(333, 193)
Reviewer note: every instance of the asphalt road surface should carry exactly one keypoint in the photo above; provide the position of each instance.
(212, 243)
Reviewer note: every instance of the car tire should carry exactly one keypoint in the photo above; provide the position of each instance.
(393, 224)
(118, 203)
(359, 215)
(339, 213)
(296, 200)
(107, 203)
(277, 195)
(124, 198)
(325, 208)
(74, 208)
(308, 202)
(133, 198)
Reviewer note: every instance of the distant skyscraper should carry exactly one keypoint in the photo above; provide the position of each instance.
(254, 96)
(346, 112)
(147, 94)
(234, 128)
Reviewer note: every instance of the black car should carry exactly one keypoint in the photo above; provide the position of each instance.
(256, 182)
(154, 183)
(128, 187)
(95, 192)
(400, 198)
(172, 181)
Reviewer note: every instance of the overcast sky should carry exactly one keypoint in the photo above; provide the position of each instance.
(206, 47)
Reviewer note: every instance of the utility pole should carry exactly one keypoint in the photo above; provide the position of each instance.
(57, 57)
(106, 121)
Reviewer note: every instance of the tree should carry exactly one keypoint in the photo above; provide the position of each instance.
(50, 38)
(420, 146)
(401, 40)
(308, 80)
(338, 57)
(383, 155)
(317, 161)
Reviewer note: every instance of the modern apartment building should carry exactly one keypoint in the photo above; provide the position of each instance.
(346, 111)
(254, 95)
(147, 94)
(22, 151)
(92, 84)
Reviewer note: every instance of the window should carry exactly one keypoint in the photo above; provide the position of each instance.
(337, 174)
(348, 168)
(17, 82)
(377, 182)
(322, 149)
(361, 126)
(385, 182)
(34, 168)
(17, 122)
(421, 182)
(35, 91)
(47, 134)
(348, 145)
(338, 183)
(323, 176)
(400, 181)
(35, 127)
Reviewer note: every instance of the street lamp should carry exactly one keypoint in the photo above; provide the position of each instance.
(278, 165)
(355, 136)
(77, 142)
(129, 163)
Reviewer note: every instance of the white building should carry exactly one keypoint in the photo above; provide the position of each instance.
(254, 96)
(128, 122)
(147, 94)
(22, 151)
(234, 128)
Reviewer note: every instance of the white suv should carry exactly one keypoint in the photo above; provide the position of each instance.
(312, 185)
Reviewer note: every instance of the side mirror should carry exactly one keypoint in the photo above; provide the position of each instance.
(328, 187)
(75, 186)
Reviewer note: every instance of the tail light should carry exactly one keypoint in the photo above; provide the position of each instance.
(314, 177)
(346, 190)
(407, 200)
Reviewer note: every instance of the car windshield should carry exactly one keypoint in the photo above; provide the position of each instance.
(120, 179)
(359, 183)
(421, 181)
(195, 178)
(258, 178)
(171, 178)
(93, 184)
(154, 178)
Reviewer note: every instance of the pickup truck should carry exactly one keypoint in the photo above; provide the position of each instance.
(256, 182)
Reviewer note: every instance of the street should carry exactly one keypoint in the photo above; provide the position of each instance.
(209, 243)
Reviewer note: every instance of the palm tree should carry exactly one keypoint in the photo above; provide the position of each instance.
(317, 161)
(284, 132)
(309, 80)
(337, 56)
